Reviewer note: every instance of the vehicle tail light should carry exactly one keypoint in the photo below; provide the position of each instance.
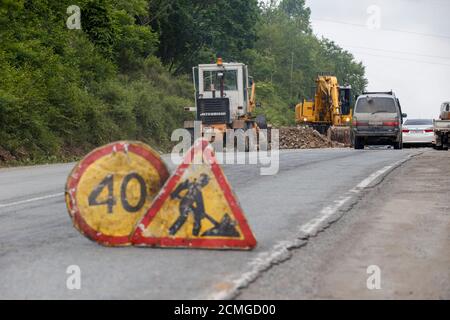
(428, 130)
(391, 123)
(357, 123)
(405, 130)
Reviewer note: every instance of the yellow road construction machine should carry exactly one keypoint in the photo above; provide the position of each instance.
(330, 110)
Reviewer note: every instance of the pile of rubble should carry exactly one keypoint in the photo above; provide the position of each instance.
(5, 156)
(305, 138)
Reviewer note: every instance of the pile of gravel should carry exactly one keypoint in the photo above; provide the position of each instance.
(305, 138)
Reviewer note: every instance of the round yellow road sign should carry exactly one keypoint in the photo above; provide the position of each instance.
(112, 188)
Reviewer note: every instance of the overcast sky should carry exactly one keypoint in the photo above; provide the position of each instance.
(409, 53)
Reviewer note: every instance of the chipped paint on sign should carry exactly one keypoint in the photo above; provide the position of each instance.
(111, 189)
(196, 208)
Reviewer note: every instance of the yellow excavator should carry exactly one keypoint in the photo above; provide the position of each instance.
(330, 110)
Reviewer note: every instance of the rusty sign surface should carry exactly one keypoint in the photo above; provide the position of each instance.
(196, 208)
(111, 189)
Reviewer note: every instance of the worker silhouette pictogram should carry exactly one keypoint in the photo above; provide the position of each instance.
(192, 202)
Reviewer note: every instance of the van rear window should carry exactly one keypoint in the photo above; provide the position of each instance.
(376, 105)
(418, 122)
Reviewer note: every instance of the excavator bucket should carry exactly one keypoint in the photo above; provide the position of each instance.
(340, 134)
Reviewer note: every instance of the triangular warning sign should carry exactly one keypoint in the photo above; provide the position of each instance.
(196, 208)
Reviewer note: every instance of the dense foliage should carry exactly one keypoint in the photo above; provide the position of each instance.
(287, 57)
(125, 74)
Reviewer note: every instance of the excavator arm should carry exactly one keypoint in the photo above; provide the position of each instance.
(325, 112)
(252, 100)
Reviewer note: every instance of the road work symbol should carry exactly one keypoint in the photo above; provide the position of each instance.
(192, 202)
(111, 189)
(195, 208)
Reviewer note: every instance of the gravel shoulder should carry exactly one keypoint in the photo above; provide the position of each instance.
(402, 225)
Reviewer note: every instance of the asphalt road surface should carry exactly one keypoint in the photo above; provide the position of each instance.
(314, 191)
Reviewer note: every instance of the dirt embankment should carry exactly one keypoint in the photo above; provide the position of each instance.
(6, 156)
(21, 156)
(305, 138)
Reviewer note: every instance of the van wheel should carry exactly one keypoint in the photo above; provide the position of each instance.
(359, 143)
(398, 145)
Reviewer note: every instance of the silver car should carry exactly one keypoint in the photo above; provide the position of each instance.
(418, 131)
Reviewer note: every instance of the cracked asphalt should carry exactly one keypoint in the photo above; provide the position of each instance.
(38, 242)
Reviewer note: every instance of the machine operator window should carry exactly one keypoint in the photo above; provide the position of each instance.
(211, 80)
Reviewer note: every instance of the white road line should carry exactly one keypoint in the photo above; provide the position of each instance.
(55, 195)
(311, 226)
(366, 182)
(282, 250)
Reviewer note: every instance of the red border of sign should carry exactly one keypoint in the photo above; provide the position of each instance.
(249, 240)
(76, 174)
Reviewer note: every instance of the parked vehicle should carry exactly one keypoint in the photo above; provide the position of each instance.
(377, 120)
(418, 132)
(445, 111)
(442, 128)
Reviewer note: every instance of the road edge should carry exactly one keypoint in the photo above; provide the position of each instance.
(282, 251)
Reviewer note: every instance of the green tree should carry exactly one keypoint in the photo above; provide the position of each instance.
(195, 31)
(98, 24)
(126, 74)
(287, 58)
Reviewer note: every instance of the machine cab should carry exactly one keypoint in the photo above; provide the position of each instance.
(345, 100)
(445, 111)
(221, 92)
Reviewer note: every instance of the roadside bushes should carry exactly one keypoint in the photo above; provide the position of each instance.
(64, 92)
